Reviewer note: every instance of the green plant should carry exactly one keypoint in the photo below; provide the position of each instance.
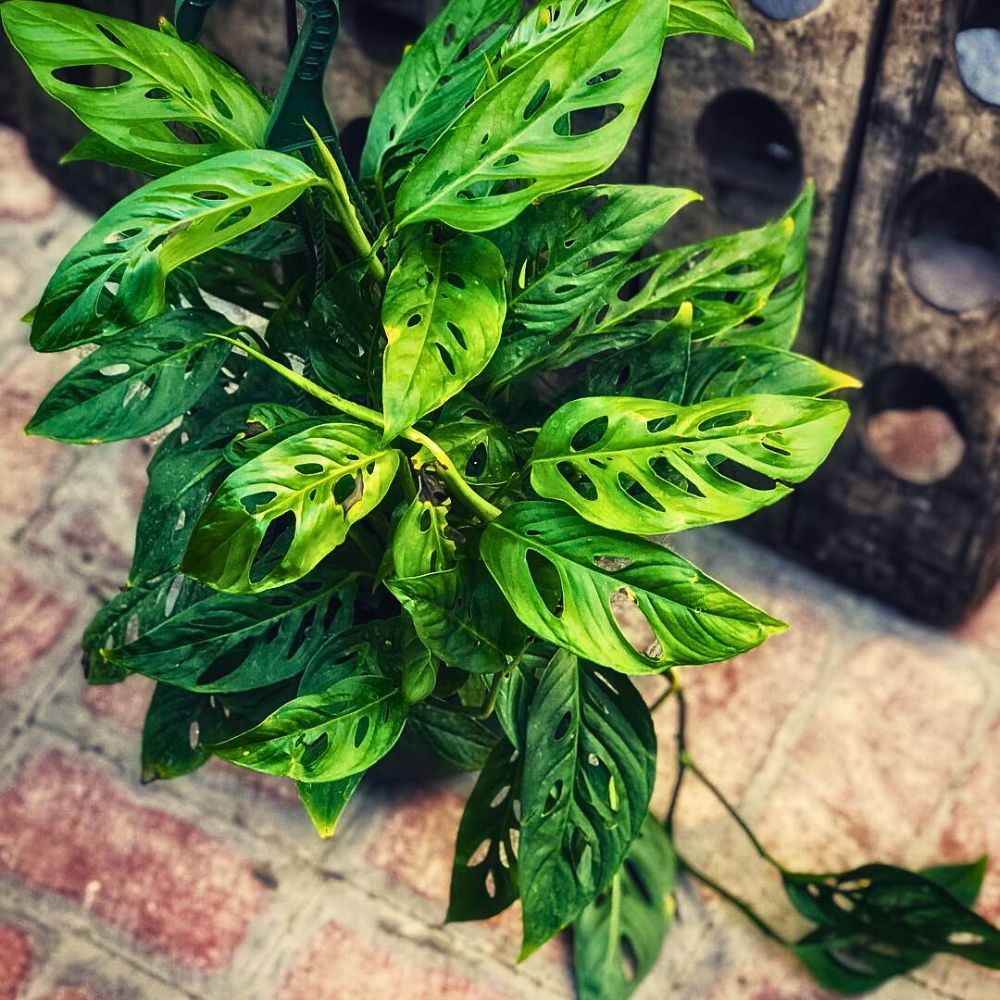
(407, 496)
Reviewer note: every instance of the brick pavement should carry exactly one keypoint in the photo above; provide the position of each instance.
(856, 735)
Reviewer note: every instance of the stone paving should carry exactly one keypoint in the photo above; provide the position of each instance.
(855, 736)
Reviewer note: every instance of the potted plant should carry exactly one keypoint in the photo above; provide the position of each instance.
(422, 424)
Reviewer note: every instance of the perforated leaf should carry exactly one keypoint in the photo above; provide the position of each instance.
(462, 742)
(443, 311)
(589, 767)
(137, 384)
(646, 467)
(312, 487)
(528, 135)
(484, 875)
(171, 745)
(115, 275)
(236, 642)
(153, 96)
(324, 801)
(617, 939)
(324, 737)
(707, 17)
(432, 83)
(572, 583)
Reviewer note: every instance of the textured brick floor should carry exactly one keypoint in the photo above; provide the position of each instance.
(854, 736)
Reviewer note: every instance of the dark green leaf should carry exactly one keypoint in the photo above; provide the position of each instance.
(589, 767)
(171, 744)
(462, 742)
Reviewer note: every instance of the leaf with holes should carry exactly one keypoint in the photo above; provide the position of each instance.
(145, 92)
(115, 275)
(879, 921)
(564, 254)
(560, 118)
(236, 642)
(707, 17)
(303, 494)
(437, 76)
(422, 542)
(617, 939)
(615, 599)
(646, 467)
(326, 736)
(324, 801)
(443, 311)
(137, 384)
(97, 149)
(462, 742)
(171, 745)
(484, 875)
(589, 767)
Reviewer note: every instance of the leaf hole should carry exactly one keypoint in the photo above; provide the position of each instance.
(552, 799)
(633, 625)
(361, 731)
(309, 468)
(545, 578)
(563, 726)
(534, 106)
(590, 434)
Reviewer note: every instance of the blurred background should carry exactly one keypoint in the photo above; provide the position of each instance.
(862, 733)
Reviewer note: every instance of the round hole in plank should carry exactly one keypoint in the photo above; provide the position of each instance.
(754, 159)
(977, 50)
(785, 10)
(352, 142)
(913, 425)
(951, 231)
(384, 28)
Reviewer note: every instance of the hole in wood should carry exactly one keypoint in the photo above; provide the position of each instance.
(753, 156)
(785, 10)
(977, 50)
(951, 228)
(913, 425)
(384, 28)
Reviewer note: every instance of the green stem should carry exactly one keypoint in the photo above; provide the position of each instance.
(452, 477)
(491, 698)
(744, 908)
(344, 208)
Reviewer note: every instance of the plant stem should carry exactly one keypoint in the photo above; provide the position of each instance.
(452, 477)
(744, 908)
(344, 208)
(674, 687)
(681, 760)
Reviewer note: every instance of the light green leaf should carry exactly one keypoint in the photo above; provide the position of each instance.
(432, 84)
(115, 275)
(589, 767)
(617, 939)
(707, 17)
(237, 642)
(484, 874)
(323, 737)
(571, 583)
(313, 485)
(324, 801)
(97, 149)
(443, 311)
(176, 104)
(138, 383)
(646, 467)
(527, 136)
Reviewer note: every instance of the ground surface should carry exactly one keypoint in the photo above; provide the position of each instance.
(855, 736)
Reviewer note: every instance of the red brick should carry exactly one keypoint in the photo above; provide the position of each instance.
(148, 873)
(876, 759)
(341, 966)
(34, 620)
(71, 993)
(16, 957)
(24, 193)
(124, 704)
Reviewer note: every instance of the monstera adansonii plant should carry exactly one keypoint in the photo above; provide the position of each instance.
(419, 430)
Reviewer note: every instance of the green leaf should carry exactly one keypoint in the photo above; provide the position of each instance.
(462, 742)
(567, 253)
(707, 17)
(312, 486)
(176, 104)
(171, 745)
(589, 767)
(324, 737)
(137, 383)
(97, 149)
(720, 371)
(237, 642)
(617, 939)
(527, 136)
(570, 583)
(324, 801)
(646, 467)
(432, 83)
(115, 275)
(484, 876)
(443, 311)
(375, 648)
(656, 369)
(879, 921)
